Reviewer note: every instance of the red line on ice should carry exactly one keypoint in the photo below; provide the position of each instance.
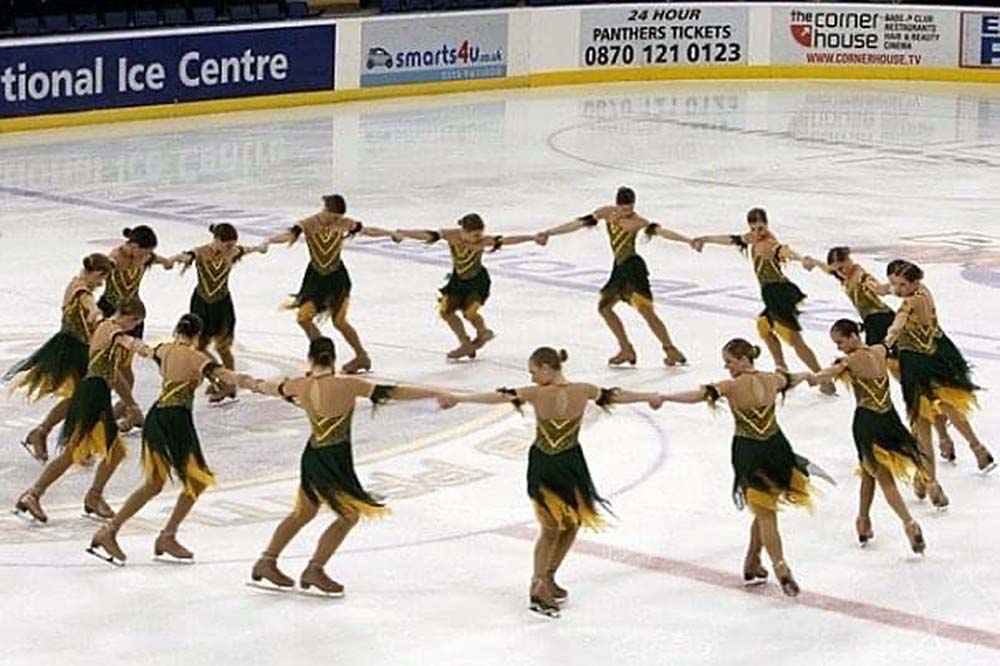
(847, 607)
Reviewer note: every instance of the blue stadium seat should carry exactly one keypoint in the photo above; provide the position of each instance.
(175, 16)
(27, 25)
(145, 18)
(203, 14)
(57, 23)
(300, 9)
(391, 6)
(115, 20)
(268, 11)
(241, 12)
(86, 21)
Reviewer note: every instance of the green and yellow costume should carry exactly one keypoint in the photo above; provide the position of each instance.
(629, 279)
(879, 435)
(90, 428)
(468, 286)
(57, 367)
(326, 285)
(212, 300)
(327, 465)
(123, 285)
(933, 370)
(876, 316)
(169, 439)
(767, 472)
(781, 296)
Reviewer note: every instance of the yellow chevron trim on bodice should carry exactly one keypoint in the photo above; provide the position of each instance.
(756, 422)
(327, 430)
(557, 435)
(622, 242)
(123, 284)
(872, 394)
(213, 277)
(768, 269)
(862, 295)
(74, 318)
(324, 249)
(104, 363)
(176, 394)
(466, 261)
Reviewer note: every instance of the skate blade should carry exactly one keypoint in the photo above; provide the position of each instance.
(95, 518)
(223, 404)
(104, 556)
(989, 468)
(756, 582)
(863, 545)
(542, 611)
(170, 559)
(31, 452)
(26, 516)
(320, 594)
(941, 509)
(269, 587)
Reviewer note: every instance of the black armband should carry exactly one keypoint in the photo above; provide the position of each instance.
(191, 254)
(497, 243)
(156, 354)
(208, 372)
(605, 397)
(356, 229)
(296, 230)
(589, 220)
(738, 241)
(712, 395)
(281, 392)
(651, 229)
(788, 381)
(512, 394)
(435, 236)
(381, 394)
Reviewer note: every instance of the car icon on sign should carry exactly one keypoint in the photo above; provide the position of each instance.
(379, 57)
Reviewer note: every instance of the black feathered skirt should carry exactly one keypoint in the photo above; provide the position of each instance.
(170, 445)
(883, 439)
(218, 317)
(90, 428)
(629, 282)
(56, 368)
(932, 379)
(465, 295)
(768, 473)
(322, 295)
(781, 310)
(328, 476)
(562, 491)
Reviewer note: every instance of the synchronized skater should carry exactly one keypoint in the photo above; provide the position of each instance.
(780, 319)
(90, 358)
(559, 483)
(211, 299)
(767, 472)
(629, 280)
(59, 365)
(469, 283)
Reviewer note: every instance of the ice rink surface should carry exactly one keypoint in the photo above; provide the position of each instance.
(890, 169)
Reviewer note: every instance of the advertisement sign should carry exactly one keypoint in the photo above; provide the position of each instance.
(663, 35)
(980, 40)
(437, 48)
(100, 74)
(819, 35)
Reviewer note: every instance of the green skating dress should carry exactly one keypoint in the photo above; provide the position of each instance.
(57, 367)
(326, 285)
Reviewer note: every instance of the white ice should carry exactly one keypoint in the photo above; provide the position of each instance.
(891, 169)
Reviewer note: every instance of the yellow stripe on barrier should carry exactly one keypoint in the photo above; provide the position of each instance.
(557, 78)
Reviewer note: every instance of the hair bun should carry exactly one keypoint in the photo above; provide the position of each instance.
(127, 232)
(88, 265)
(212, 228)
(563, 356)
(756, 352)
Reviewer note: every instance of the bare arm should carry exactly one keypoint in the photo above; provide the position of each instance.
(902, 315)
(692, 397)
(826, 374)
(540, 238)
(571, 226)
(165, 262)
(423, 235)
(489, 398)
(656, 229)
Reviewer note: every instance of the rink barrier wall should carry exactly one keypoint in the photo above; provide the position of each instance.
(379, 57)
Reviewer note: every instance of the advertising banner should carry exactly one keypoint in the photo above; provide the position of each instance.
(980, 40)
(132, 71)
(820, 35)
(434, 48)
(663, 35)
